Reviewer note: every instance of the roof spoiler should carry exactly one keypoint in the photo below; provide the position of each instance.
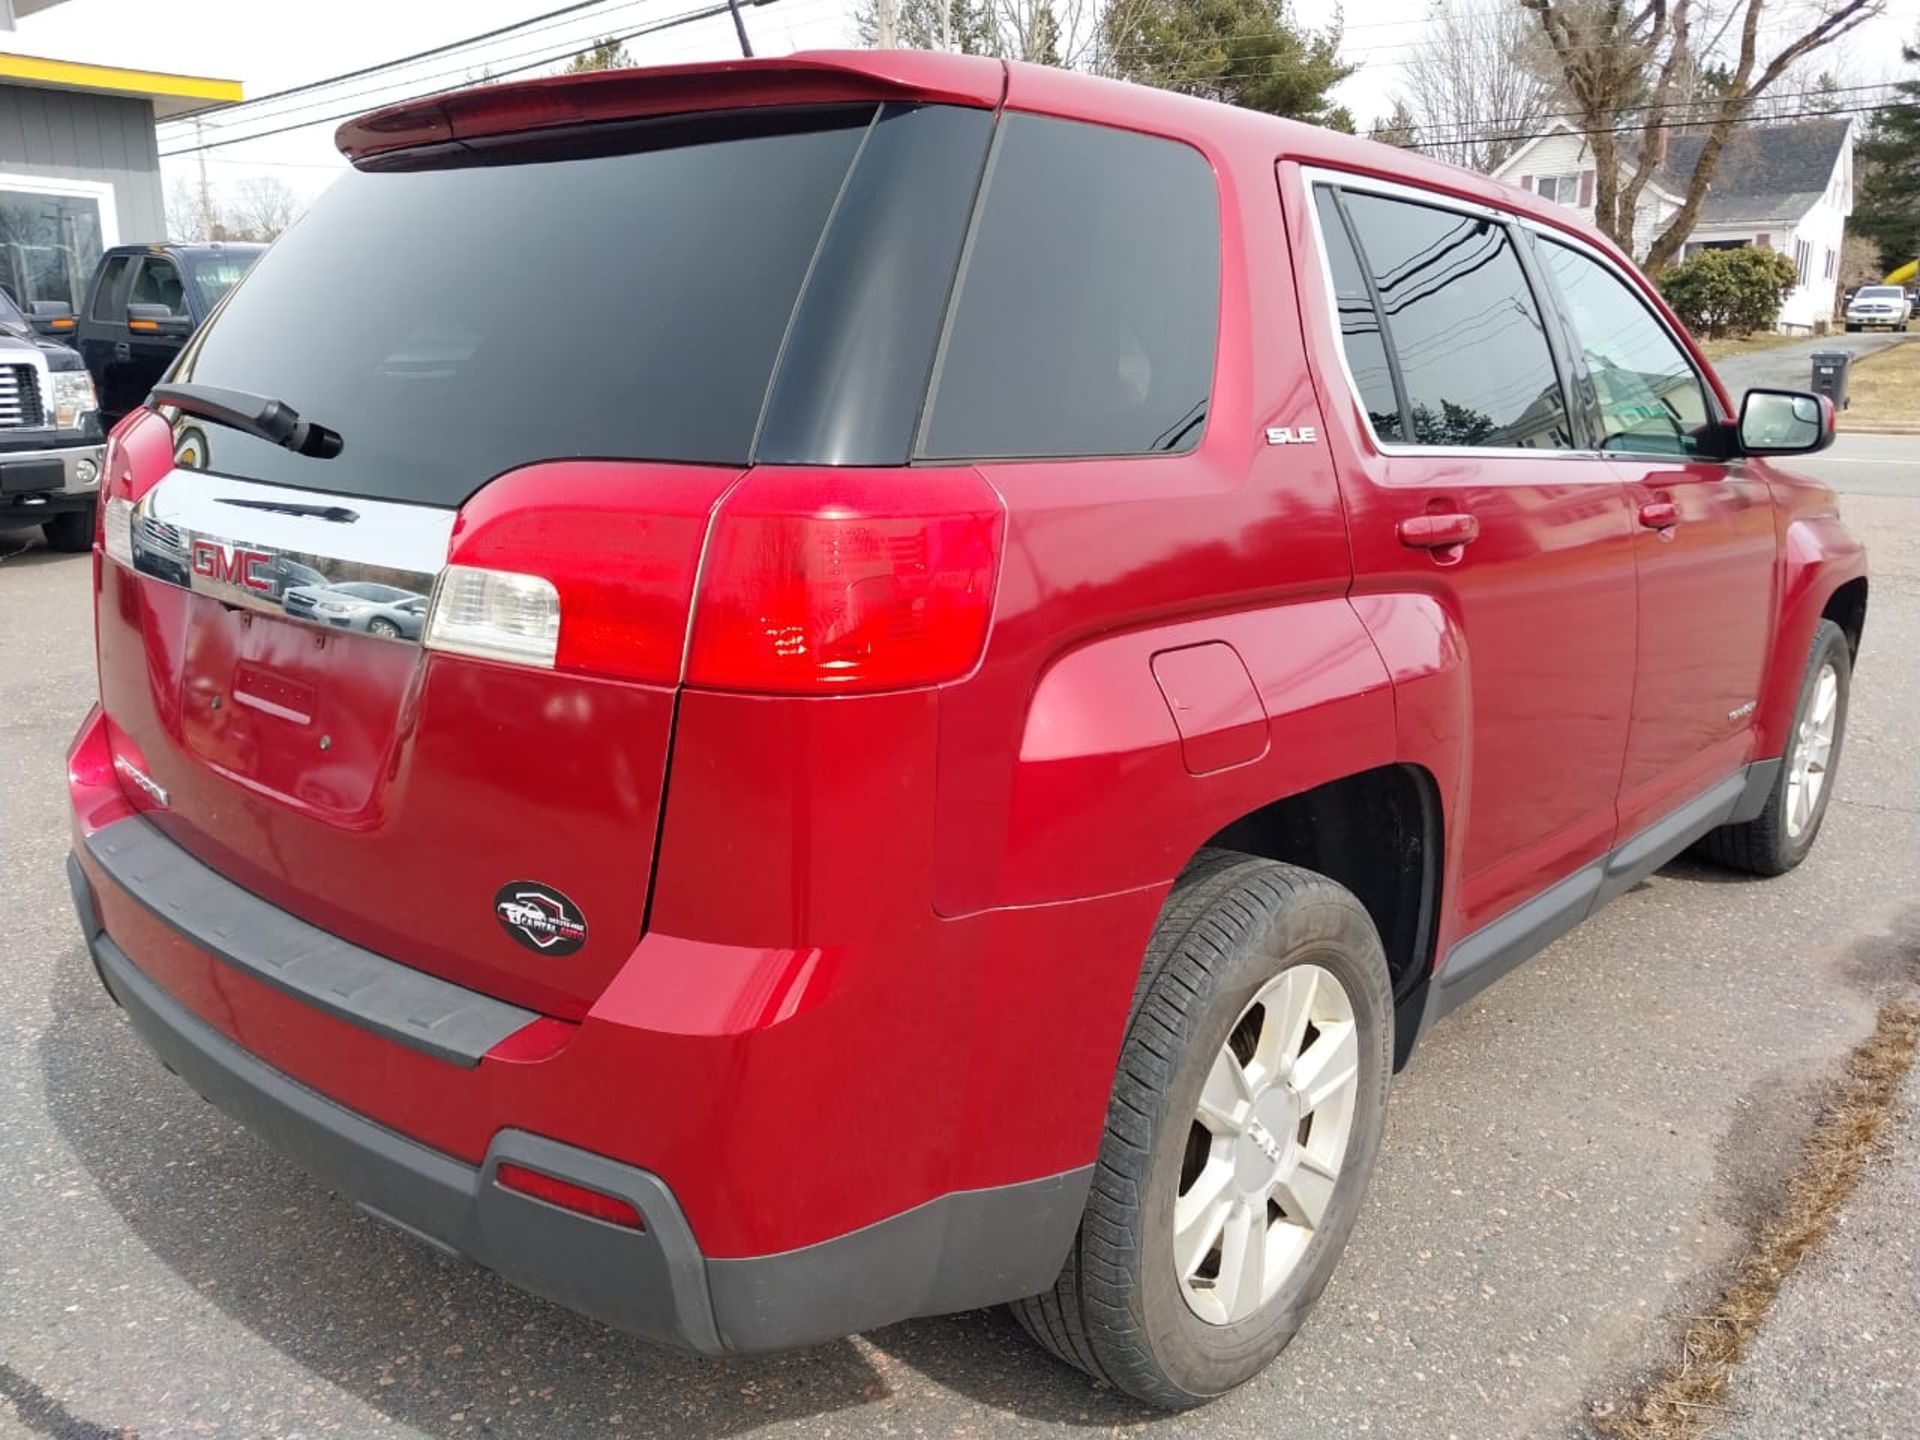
(818, 78)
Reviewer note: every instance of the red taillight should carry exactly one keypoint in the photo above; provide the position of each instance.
(827, 581)
(569, 1196)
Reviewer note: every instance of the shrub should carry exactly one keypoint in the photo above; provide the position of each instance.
(1729, 292)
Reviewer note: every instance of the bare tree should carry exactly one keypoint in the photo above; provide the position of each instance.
(188, 218)
(1476, 81)
(1628, 67)
(263, 207)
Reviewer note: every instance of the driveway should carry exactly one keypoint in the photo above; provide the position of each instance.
(1568, 1164)
(1790, 366)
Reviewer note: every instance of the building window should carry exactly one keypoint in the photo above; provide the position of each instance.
(1827, 273)
(1561, 189)
(1802, 259)
(51, 236)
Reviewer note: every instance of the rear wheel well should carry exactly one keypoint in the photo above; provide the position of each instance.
(1847, 608)
(1378, 834)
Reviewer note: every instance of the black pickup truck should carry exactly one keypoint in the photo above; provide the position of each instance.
(142, 304)
(50, 431)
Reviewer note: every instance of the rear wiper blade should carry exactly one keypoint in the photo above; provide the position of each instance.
(269, 419)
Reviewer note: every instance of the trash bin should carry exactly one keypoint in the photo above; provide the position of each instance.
(1830, 369)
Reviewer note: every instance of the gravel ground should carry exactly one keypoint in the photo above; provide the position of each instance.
(1567, 1165)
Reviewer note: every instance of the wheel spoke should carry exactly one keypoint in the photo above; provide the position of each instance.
(1198, 1216)
(1224, 1098)
(1243, 1261)
(1328, 1066)
(1289, 1008)
(1306, 1192)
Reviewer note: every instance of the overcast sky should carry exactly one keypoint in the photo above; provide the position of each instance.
(235, 39)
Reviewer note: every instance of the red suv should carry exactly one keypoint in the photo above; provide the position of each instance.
(991, 649)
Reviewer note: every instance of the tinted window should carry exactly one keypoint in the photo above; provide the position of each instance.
(158, 283)
(1359, 323)
(622, 294)
(217, 274)
(110, 299)
(1648, 397)
(1085, 318)
(1472, 349)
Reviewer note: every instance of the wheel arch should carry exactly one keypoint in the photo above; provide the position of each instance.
(1379, 833)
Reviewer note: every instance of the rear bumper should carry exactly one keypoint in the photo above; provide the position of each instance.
(960, 1251)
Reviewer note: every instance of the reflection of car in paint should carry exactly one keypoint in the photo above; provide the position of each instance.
(359, 605)
(160, 549)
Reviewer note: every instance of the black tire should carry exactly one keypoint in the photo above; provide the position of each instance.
(1853, 329)
(70, 531)
(1232, 923)
(1765, 844)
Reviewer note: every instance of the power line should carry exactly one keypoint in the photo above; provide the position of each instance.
(685, 17)
(427, 54)
(1637, 129)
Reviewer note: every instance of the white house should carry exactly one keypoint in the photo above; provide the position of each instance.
(1785, 187)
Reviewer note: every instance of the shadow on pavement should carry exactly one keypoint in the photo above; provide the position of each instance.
(437, 1344)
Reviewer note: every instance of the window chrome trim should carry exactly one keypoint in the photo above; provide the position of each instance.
(1312, 175)
(232, 539)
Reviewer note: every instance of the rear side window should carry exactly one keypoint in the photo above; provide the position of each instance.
(613, 295)
(110, 298)
(1360, 332)
(1649, 399)
(1463, 324)
(1086, 312)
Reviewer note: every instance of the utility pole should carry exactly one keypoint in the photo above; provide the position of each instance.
(206, 195)
(889, 34)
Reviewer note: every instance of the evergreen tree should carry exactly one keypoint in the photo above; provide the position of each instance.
(605, 55)
(1887, 207)
(1246, 52)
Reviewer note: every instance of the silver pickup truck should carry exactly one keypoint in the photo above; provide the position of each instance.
(50, 435)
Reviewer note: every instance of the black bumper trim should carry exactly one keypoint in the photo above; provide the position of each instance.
(960, 1251)
(447, 1021)
(651, 1282)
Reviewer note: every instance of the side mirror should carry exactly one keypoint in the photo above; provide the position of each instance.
(51, 317)
(1785, 422)
(157, 320)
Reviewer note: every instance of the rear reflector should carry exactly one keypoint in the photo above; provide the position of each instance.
(828, 581)
(569, 1196)
(495, 615)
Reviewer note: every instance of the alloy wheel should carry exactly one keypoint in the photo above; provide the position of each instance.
(1266, 1144)
(1812, 757)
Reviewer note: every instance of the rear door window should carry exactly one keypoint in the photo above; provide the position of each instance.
(1086, 312)
(110, 296)
(615, 293)
(1466, 331)
(1361, 335)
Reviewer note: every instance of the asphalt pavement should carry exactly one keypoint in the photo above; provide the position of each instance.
(1790, 366)
(1569, 1165)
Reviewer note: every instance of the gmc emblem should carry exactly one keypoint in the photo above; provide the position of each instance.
(235, 565)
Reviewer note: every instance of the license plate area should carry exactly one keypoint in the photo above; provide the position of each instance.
(315, 719)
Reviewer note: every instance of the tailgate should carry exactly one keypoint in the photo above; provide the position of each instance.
(263, 673)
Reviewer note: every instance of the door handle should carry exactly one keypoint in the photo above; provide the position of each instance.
(1659, 514)
(1437, 532)
(122, 350)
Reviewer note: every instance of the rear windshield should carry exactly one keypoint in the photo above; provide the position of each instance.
(456, 323)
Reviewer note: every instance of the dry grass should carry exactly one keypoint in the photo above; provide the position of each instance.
(1718, 350)
(1884, 389)
(1687, 1398)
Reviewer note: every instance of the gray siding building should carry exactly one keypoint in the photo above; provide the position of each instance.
(79, 165)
